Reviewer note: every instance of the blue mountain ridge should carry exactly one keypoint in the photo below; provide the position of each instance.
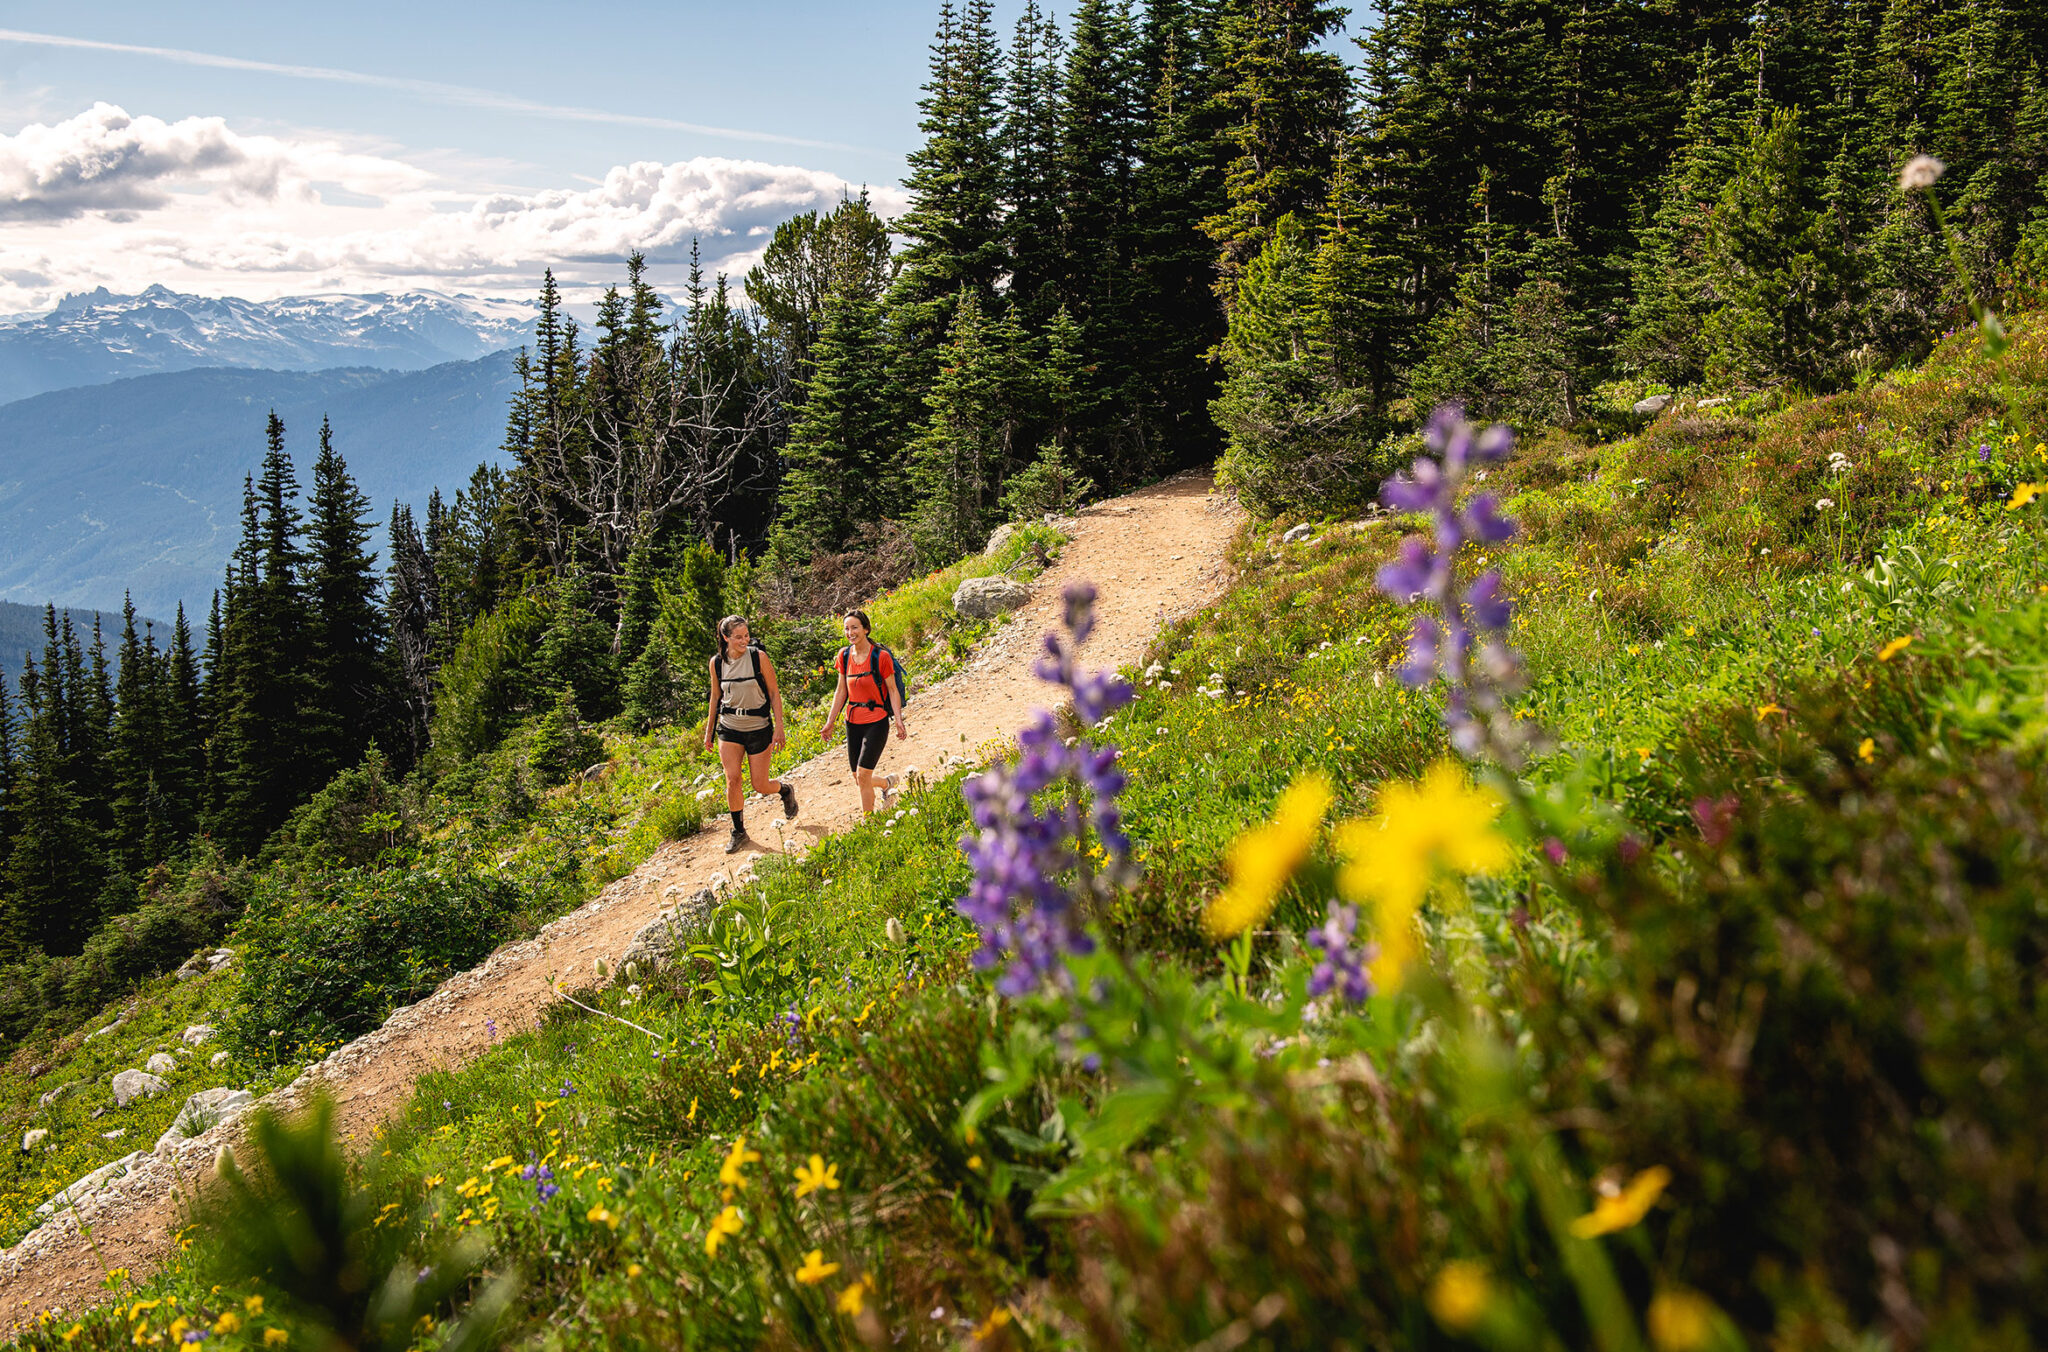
(136, 485)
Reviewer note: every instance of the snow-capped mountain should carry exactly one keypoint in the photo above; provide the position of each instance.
(98, 336)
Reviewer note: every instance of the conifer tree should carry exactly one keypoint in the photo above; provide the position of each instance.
(54, 866)
(964, 453)
(264, 768)
(955, 222)
(809, 257)
(348, 695)
(412, 620)
(142, 825)
(182, 778)
(1034, 185)
(1286, 100)
(839, 465)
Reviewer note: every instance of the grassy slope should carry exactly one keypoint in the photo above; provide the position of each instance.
(560, 852)
(1672, 583)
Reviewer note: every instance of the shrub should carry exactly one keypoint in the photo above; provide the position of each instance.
(328, 957)
(677, 817)
(357, 818)
(486, 681)
(563, 745)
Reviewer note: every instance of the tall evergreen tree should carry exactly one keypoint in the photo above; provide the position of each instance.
(264, 768)
(348, 696)
(840, 464)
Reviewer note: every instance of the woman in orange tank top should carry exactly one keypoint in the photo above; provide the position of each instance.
(867, 694)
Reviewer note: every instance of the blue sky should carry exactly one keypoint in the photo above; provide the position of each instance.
(230, 176)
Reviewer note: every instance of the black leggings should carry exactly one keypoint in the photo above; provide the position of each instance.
(864, 743)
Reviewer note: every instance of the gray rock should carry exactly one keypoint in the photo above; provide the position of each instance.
(1715, 402)
(658, 943)
(1301, 532)
(202, 1112)
(130, 1085)
(217, 1058)
(984, 598)
(102, 1032)
(1000, 536)
(1653, 405)
(196, 1034)
(62, 1091)
(161, 1064)
(219, 958)
(33, 1137)
(85, 1187)
(116, 1134)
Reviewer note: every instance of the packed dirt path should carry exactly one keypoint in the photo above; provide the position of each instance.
(1154, 555)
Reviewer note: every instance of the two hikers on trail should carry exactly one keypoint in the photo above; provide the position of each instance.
(746, 722)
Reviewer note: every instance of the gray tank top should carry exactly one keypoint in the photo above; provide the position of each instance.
(737, 689)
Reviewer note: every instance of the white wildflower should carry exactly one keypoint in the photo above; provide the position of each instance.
(1823, 504)
(1920, 172)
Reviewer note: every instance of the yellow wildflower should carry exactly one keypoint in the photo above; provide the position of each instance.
(1262, 859)
(228, 1322)
(853, 1299)
(601, 1216)
(693, 1109)
(73, 1332)
(1623, 1208)
(732, 1172)
(815, 1268)
(1764, 711)
(1680, 1321)
(275, 1337)
(497, 1163)
(1459, 1294)
(1390, 859)
(2025, 494)
(1866, 750)
(727, 1222)
(634, 1269)
(1894, 648)
(816, 1175)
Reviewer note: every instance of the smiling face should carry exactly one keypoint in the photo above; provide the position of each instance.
(736, 638)
(855, 630)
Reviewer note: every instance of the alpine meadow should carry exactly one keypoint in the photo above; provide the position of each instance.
(1471, 583)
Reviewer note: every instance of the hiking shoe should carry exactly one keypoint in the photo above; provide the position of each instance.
(739, 839)
(788, 792)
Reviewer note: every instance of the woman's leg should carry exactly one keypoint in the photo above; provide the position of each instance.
(758, 765)
(874, 736)
(731, 755)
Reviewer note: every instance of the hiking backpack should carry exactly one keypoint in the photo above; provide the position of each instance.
(896, 671)
(754, 654)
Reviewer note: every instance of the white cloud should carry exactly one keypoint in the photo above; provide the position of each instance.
(104, 198)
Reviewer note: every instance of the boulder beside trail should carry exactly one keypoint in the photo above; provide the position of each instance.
(202, 1112)
(1000, 537)
(984, 598)
(130, 1085)
(1301, 532)
(656, 943)
(1653, 405)
(161, 1064)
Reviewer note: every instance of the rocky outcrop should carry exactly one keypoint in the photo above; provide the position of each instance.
(657, 943)
(196, 1034)
(93, 1182)
(130, 1085)
(1653, 405)
(1000, 537)
(202, 1112)
(161, 1064)
(984, 598)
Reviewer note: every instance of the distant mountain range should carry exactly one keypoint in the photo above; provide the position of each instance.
(97, 336)
(21, 633)
(136, 485)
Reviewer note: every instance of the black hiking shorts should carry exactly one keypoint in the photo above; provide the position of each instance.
(753, 743)
(864, 743)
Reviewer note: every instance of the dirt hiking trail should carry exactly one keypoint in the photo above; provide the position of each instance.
(1155, 555)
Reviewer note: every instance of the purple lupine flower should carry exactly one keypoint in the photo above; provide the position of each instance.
(1344, 959)
(1460, 637)
(545, 1186)
(568, 1088)
(1020, 898)
(1983, 454)
(793, 1027)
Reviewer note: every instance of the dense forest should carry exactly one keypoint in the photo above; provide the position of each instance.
(1153, 236)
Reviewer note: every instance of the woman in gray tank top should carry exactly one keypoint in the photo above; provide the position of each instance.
(745, 720)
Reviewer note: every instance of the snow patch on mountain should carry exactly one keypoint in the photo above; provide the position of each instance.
(95, 336)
